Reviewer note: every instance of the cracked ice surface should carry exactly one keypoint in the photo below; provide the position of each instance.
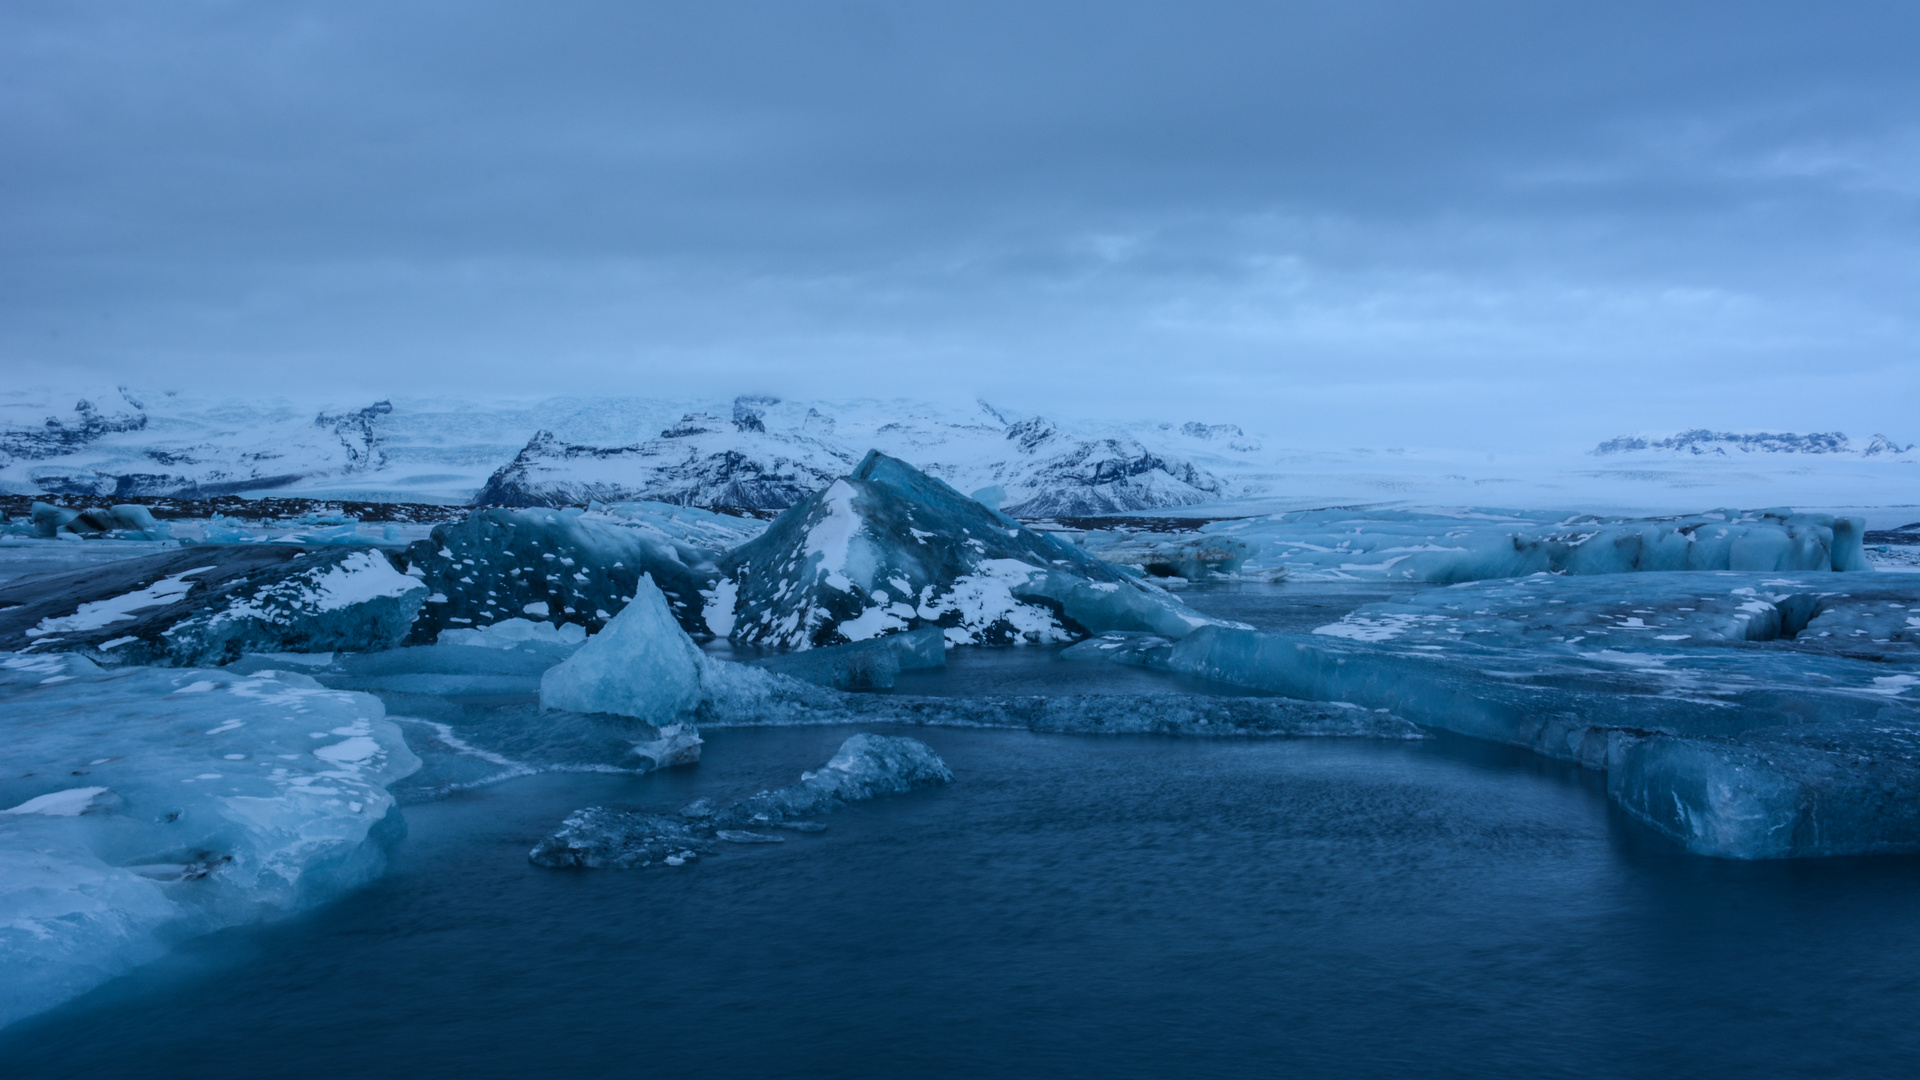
(139, 805)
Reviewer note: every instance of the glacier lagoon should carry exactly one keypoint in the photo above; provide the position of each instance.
(470, 703)
(1067, 907)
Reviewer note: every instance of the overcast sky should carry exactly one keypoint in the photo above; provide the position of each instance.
(1421, 222)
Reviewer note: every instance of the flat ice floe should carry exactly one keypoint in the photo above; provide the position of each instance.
(209, 604)
(141, 805)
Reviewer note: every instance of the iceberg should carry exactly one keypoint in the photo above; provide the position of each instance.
(634, 698)
(888, 549)
(473, 716)
(1744, 715)
(127, 521)
(865, 767)
(210, 604)
(561, 566)
(641, 665)
(1475, 544)
(142, 805)
(516, 634)
(863, 665)
(1158, 554)
(1873, 615)
(520, 697)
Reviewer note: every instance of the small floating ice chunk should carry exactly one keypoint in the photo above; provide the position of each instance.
(865, 767)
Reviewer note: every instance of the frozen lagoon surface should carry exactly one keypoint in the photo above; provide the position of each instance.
(1127, 906)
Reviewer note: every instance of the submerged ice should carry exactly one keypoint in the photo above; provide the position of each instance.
(865, 767)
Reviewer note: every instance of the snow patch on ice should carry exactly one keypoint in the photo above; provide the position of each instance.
(99, 613)
(69, 803)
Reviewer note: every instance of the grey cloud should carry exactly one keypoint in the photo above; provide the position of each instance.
(1646, 208)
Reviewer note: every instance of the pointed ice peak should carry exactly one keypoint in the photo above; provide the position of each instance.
(889, 548)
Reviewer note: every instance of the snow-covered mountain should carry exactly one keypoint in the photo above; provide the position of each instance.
(1701, 441)
(112, 443)
(762, 452)
(759, 452)
(700, 461)
(771, 458)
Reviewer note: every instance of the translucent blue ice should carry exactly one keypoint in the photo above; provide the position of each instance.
(140, 805)
(640, 665)
(1474, 544)
(863, 665)
(130, 521)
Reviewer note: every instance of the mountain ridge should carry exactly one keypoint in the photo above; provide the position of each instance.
(1703, 441)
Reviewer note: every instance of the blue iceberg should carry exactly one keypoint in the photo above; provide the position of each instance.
(567, 566)
(138, 806)
(888, 549)
(863, 665)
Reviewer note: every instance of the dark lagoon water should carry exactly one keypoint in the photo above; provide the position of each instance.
(1070, 906)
